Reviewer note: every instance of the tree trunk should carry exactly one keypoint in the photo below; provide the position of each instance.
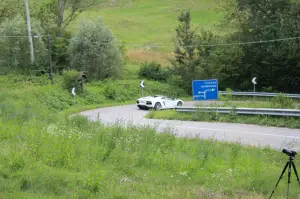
(61, 4)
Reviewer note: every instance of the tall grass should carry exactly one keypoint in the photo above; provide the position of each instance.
(81, 159)
(44, 155)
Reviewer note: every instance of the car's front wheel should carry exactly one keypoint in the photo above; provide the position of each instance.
(157, 106)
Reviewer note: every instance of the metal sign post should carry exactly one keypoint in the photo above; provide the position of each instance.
(142, 86)
(73, 93)
(254, 82)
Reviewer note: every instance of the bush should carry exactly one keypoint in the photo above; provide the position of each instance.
(176, 81)
(153, 71)
(110, 91)
(92, 50)
(70, 79)
(281, 101)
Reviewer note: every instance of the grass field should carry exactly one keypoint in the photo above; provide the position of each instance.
(149, 25)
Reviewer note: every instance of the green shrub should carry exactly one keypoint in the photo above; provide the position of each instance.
(93, 50)
(21, 81)
(91, 98)
(176, 81)
(70, 79)
(110, 91)
(282, 101)
(153, 71)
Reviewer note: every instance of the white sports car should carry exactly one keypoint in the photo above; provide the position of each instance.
(158, 102)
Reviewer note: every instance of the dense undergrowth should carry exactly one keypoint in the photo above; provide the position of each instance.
(45, 155)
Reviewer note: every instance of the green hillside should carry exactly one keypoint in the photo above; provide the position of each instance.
(148, 23)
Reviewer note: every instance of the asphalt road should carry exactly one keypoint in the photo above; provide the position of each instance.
(254, 135)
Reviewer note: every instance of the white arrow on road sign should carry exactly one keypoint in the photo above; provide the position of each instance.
(142, 84)
(207, 90)
(73, 91)
(254, 80)
(211, 90)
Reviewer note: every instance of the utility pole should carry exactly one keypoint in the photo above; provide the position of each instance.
(50, 58)
(29, 32)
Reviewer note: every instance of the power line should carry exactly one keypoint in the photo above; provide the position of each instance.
(6, 36)
(172, 45)
(211, 45)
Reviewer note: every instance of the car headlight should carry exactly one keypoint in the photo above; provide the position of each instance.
(148, 102)
(137, 101)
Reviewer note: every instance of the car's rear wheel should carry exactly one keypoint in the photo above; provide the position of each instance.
(157, 106)
(179, 104)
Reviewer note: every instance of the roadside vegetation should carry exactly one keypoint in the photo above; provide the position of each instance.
(51, 155)
(278, 102)
(290, 122)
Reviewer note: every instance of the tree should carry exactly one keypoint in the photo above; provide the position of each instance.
(205, 41)
(275, 63)
(14, 51)
(186, 62)
(59, 14)
(192, 52)
(9, 8)
(92, 50)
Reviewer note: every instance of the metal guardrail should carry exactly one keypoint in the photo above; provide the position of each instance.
(245, 111)
(260, 94)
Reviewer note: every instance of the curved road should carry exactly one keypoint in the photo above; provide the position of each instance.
(255, 135)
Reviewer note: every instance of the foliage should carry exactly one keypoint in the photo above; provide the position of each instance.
(17, 81)
(282, 101)
(59, 14)
(110, 91)
(9, 9)
(59, 49)
(274, 63)
(47, 10)
(185, 62)
(14, 51)
(92, 50)
(153, 71)
(192, 52)
(60, 55)
(175, 81)
(70, 79)
(226, 63)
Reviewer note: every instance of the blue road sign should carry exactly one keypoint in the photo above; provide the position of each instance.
(205, 89)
